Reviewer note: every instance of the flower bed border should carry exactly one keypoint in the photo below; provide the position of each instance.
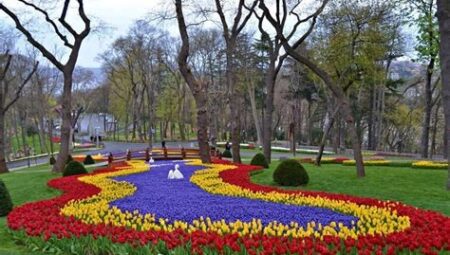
(429, 231)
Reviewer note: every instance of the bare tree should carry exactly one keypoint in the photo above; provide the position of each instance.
(231, 32)
(198, 87)
(443, 14)
(275, 62)
(66, 68)
(5, 105)
(291, 45)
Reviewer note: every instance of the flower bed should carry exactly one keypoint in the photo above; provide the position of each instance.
(401, 163)
(430, 165)
(98, 157)
(219, 208)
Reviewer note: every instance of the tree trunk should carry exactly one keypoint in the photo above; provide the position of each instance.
(309, 123)
(199, 89)
(424, 143)
(337, 134)
(125, 129)
(443, 14)
(66, 122)
(235, 128)
(16, 131)
(370, 123)
(41, 134)
(434, 130)
(251, 94)
(22, 117)
(3, 166)
(342, 100)
(446, 148)
(326, 133)
(267, 136)
(202, 127)
(235, 104)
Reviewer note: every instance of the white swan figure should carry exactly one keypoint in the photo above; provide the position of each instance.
(151, 160)
(171, 175)
(177, 173)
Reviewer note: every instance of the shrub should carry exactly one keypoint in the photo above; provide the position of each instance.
(69, 159)
(74, 168)
(259, 160)
(227, 154)
(6, 204)
(52, 160)
(88, 160)
(290, 173)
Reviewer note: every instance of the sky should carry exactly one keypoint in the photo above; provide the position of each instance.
(117, 17)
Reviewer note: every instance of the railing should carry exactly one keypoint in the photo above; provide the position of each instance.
(160, 154)
(156, 154)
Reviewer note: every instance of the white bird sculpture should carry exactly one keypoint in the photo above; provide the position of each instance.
(177, 173)
(151, 160)
(171, 175)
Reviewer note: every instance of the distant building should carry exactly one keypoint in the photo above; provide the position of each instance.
(92, 124)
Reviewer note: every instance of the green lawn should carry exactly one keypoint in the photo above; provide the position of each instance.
(25, 186)
(422, 188)
(36, 146)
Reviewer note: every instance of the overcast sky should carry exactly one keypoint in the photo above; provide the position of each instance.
(118, 16)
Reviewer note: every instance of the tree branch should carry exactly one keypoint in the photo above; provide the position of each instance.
(62, 19)
(20, 88)
(31, 39)
(8, 63)
(52, 23)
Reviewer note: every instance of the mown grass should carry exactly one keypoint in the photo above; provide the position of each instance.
(424, 188)
(25, 186)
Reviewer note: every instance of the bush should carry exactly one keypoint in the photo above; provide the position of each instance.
(290, 173)
(227, 154)
(74, 168)
(88, 160)
(52, 160)
(69, 159)
(259, 160)
(6, 204)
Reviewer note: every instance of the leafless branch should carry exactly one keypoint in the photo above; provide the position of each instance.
(8, 64)
(30, 38)
(49, 20)
(20, 88)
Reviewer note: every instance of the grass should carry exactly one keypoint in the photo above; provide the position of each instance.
(25, 186)
(29, 140)
(424, 188)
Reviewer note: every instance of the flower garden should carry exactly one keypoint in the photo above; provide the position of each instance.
(216, 208)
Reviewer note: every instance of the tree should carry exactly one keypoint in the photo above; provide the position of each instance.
(198, 87)
(8, 81)
(291, 46)
(443, 13)
(428, 51)
(231, 33)
(356, 43)
(66, 68)
(272, 49)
